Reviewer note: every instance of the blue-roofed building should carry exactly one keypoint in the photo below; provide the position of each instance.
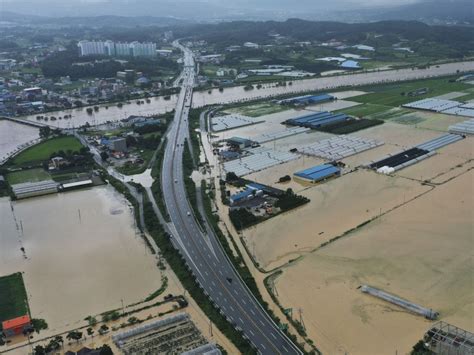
(318, 173)
(350, 64)
(307, 100)
(318, 119)
(238, 142)
(247, 194)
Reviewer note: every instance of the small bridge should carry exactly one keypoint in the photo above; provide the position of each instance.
(23, 121)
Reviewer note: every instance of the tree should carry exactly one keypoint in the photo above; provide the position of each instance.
(74, 335)
(39, 350)
(45, 132)
(104, 156)
(52, 346)
(90, 332)
(106, 350)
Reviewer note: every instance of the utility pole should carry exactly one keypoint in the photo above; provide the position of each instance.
(300, 311)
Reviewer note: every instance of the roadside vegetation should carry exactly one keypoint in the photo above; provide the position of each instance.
(177, 264)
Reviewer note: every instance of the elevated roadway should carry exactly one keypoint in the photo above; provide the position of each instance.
(201, 250)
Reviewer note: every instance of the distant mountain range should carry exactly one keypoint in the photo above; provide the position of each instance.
(431, 11)
(92, 21)
(128, 13)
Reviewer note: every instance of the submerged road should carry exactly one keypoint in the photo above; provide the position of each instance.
(202, 252)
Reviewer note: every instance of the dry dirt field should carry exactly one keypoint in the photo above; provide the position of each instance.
(422, 252)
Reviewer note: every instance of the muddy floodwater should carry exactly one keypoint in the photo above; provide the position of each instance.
(13, 135)
(108, 113)
(326, 83)
(82, 255)
(159, 105)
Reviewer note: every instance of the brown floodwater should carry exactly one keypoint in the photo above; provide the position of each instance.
(83, 255)
(201, 98)
(13, 135)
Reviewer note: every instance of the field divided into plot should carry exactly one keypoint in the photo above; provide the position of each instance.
(13, 299)
(397, 94)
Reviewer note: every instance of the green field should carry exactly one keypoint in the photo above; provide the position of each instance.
(396, 94)
(13, 299)
(260, 109)
(27, 175)
(43, 150)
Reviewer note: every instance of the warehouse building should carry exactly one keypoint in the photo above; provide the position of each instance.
(318, 173)
(31, 189)
(16, 326)
(307, 100)
(249, 193)
(318, 120)
(239, 143)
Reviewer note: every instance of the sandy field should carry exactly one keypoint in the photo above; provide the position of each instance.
(422, 252)
(336, 206)
(83, 254)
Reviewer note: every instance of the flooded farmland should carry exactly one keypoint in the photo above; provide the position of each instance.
(82, 255)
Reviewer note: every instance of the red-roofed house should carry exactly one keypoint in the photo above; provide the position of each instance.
(16, 326)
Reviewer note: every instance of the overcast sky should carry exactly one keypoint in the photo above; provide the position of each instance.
(189, 8)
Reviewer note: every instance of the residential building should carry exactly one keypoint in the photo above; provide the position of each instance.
(117, 49)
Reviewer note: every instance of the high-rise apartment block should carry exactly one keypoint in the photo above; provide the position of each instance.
(117, 49)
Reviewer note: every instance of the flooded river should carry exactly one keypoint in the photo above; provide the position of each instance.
(159, 105)
(113, 113)
(82, 254)
(326, 83)
(13, 135)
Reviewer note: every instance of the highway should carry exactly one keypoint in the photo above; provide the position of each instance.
(202, 252)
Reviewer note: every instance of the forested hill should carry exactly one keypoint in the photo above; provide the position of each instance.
(386, 32)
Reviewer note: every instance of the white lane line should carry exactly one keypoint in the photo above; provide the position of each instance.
(273, 335)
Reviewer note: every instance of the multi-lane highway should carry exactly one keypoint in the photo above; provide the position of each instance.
(202, 252)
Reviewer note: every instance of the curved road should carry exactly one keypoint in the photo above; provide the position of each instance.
(203, 254)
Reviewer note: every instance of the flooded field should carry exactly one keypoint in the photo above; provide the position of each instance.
(336, 206)
(421, 252)
(82, 254)
(12, 135)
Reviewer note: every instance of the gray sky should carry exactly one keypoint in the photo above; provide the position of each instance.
(189, 8)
